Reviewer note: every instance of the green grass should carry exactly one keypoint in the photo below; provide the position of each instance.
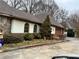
(29, 43)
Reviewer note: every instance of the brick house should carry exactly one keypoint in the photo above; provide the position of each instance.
(16, 21)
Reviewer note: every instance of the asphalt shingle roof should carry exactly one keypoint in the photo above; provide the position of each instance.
(12, 12)
(42, 16)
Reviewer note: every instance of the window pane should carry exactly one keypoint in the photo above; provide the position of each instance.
(26, 28)
(35, 28)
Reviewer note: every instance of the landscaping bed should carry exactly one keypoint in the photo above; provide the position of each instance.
(29, 44)
(15, 42)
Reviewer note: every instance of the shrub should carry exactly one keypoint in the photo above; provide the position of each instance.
(37, 36)
(28, 36)
(45, 28)
(18, 35)
(9, 39)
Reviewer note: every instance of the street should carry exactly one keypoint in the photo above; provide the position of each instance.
(45, 52)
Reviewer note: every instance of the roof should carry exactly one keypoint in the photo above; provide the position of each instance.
(42, 16)
(6, 10)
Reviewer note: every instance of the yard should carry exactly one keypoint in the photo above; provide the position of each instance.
(35, 42)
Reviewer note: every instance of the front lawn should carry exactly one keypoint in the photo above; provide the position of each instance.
(30, 43)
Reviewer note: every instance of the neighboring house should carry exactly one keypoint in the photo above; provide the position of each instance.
(15, 21)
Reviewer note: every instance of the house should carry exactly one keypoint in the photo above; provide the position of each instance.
(57, 29)
(16, 21)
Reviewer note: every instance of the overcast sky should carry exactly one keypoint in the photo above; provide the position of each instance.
(70, 5)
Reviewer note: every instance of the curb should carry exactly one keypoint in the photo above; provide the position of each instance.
(26, 47)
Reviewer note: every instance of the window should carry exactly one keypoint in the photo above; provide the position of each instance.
(26, 28)
(35, 28)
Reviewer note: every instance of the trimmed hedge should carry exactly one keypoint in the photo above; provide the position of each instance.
(10, 38)
(16, 38)
(28, 36)
(37, 36)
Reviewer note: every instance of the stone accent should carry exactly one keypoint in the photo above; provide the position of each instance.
(5, 24)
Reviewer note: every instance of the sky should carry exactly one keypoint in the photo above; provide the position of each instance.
(69, 5)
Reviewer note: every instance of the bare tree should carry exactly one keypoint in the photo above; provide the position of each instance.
(75, 21)
(33, 6)
(74, 18)
(24, 5)
(60, 15)
(18, 4)
(15, 3)
(41, 6)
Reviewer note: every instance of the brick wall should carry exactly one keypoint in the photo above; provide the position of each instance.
(59, 31)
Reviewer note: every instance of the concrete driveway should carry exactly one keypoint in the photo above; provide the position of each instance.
(45, 52)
